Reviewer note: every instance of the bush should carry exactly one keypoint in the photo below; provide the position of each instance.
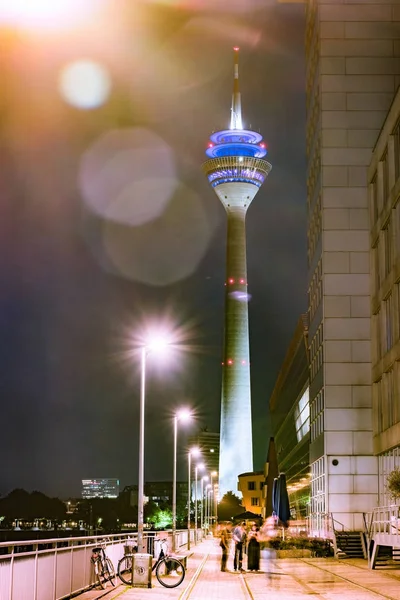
(393, 483)
(318, 547)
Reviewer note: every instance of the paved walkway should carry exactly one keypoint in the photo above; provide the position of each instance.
(283, 579)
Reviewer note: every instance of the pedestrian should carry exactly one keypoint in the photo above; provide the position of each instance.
(253, 549)
(239, 538)
(224, 543)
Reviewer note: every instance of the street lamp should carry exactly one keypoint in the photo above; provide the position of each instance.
(213, 503)
(181, 415)
(208, 486)
(203, 503)
(197, 467)
(194, 452)
(155, 345)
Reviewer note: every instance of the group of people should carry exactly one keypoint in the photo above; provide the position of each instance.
(244, 541)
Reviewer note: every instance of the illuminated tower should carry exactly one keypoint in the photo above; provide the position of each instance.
(236, 171)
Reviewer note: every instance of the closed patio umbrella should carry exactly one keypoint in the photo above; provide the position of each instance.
(283, 511)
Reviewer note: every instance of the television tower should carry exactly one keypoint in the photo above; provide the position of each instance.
(236, 171)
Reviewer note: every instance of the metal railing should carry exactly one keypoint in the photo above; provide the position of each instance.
(384, 521)
(55, 569)
(320, 525)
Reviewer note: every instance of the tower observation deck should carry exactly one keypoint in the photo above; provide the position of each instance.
(236, 169)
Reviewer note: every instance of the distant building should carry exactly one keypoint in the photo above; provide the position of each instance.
(252, 487)
(100, 488)
(161, 492)
(290, 415)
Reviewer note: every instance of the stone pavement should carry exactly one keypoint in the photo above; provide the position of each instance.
(283, 579)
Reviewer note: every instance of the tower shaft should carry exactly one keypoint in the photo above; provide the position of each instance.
(236, 446)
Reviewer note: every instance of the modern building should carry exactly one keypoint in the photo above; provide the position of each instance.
(352, 73)
(100, 488)
(290, 416)
(384, 188)
(236, 170)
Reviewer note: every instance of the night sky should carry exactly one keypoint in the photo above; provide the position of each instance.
(84, 267)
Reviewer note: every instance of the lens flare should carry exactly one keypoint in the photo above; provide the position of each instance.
(128, 176)
(85, 84)
(48, 14)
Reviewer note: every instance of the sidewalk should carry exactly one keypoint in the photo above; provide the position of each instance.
(282, 579)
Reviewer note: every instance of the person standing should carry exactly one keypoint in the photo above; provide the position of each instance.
(224, 543)
(253, 549)
(239, 538)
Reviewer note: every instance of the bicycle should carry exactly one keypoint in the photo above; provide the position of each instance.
(170, 572)
(103, 567)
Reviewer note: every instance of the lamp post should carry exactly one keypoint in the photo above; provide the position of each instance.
(208, 505)
(156, 345)
(141, 450)
(181, 415)
(203, 503)
(197, 467)
(195, 452)
(213, 507)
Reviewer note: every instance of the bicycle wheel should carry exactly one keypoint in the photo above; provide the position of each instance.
(125, 569)
(109, 571)
(98, 573)
(170, 572)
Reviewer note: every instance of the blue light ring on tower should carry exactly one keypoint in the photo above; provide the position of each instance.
(236, 135)
(238, 142)
(236, 149)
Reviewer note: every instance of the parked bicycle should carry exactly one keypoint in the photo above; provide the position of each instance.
(170, 572)
(103, 567)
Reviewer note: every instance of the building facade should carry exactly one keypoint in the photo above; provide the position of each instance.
(251, 486)
(236, 170)
(352, 54)
(290, 416)
(100, 488)
(384, 195)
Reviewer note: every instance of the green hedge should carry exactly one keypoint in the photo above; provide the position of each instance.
(318, 547)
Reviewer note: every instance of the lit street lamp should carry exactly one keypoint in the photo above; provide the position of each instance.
(208, 486)
(197, 467)
(182, 415)
(155, 345)
(195, 452)
(203, 503)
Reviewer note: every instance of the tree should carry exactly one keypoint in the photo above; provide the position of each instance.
(229, 507)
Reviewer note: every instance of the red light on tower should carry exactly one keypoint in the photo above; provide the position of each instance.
(229, 361)
(236, 48)
(231, 280)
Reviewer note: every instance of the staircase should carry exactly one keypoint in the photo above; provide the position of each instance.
(350, 544)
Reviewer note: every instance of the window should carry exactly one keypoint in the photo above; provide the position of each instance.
(251, 485)
(374, 200)
(387, 233)
(261, 485)
(376, 266)
(396, 135)
(385, 177)
(388, 322)
(255, 502)
(302, 415)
